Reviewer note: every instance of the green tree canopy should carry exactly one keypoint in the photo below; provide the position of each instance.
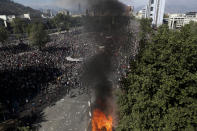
(19, 27)
(160, 93)
(3, 34)
(38, 36)
(62, 21)
(145, 32)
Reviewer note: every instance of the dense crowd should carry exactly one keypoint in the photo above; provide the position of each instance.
(30, 78)
(33, 79)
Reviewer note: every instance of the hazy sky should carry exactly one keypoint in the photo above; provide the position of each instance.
(136, 3)
(51, 2)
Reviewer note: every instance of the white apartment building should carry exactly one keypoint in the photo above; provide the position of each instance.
(10, 18)
(155, 11)
(176, 21)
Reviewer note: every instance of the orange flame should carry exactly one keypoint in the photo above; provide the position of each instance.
(101, 122)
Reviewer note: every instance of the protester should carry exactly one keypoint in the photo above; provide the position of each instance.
(32, 78)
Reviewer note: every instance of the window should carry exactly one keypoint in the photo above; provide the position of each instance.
(152, 1)
(151, 14)
(151, 9)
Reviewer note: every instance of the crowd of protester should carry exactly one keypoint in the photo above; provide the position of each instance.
(32, 79)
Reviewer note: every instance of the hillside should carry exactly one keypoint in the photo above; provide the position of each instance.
(8, 7)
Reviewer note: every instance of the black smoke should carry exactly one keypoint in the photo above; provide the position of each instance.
(107, 18)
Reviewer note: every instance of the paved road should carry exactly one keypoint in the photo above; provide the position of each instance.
(68, 114)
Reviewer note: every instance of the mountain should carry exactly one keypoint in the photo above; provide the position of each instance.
(8, 7)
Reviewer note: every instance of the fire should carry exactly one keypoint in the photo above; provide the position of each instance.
(101, 122)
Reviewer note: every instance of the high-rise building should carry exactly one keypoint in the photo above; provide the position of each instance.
(155, 11)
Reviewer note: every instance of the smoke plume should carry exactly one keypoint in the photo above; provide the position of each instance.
(106, 18)
(71, 4)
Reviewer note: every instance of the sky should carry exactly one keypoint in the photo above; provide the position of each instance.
(52, 2)
(189, 4)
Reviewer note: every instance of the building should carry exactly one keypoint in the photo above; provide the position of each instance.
(48, 13)
(4, 18)
(25, 16)
(190, 16)
(155, 11)
(9, 18)
(177, 21)
(64, 12)
(142, 13)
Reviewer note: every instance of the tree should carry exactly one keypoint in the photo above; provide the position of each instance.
(62, 21)
(145, 32)
(160, 92)
(67, 27)
(75, 21)
(38, 36)
(3, 34)
(19, 27)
